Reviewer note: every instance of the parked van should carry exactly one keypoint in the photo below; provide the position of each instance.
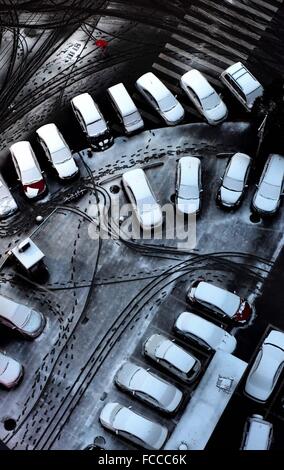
(92, 122)
(257, 434)
(19, 317)
(28, 169)
(126, 109)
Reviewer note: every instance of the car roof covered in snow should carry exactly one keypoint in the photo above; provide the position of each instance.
(275, 171)
(198, 83)
(224, 300)
(51, 136)
(247, 82)
(122, 99)
(87, 107)
(154, 85)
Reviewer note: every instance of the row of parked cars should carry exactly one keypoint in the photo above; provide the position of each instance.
(188, 191)
(27, 322)
(95, 127)
(183, 365)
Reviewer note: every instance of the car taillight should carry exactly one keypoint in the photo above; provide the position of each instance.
(39, 185)
(244, 313)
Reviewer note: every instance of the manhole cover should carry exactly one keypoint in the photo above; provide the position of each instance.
(9, 424)
(255, 218)
(114, 189)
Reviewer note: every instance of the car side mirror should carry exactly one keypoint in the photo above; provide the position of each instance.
(201, 190)
(257, 185)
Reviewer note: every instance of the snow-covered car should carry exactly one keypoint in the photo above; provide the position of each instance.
(8, 205)
(258, 434)
(204, 97)
(11, 371)
(160, 98)
(133, 427)
(234, 181)
(19, 317)
(172, 357)
(28, 169)
(267, 367)
(125, 108)
(188, 185)
(148, 387)
(242, 84)
(92, 122)
(57, 151)
(219, 301)
(267, 197)
(204, 332)
(142, 198)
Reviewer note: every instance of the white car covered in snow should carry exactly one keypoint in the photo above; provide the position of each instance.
(204, 97)
(188, 185)
(204, 332)
(57, 151)
(234, 181)
(267, 367)
(219, 301)
(142, 198)
(28, 169)
(267, 198)
(148, 387)
(172, 357)
(160, 98)
(11, 371)
(133, 427)
(92, 122)
(19, 317)
(8, 205)
(242, 84)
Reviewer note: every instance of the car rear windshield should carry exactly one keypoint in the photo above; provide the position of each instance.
(211, 101)
(232, 184)
(167, 103)
(188, 192)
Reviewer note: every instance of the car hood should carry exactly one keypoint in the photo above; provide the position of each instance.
(174, 115)
(263, 204)
(217, 114)
(188, 206)
(67, 168)
(229, 197)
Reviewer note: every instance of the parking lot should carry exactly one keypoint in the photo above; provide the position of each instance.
(70, 368)
(105, 297)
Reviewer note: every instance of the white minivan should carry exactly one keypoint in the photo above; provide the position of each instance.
(125, 108)
(242, 84)
(257, 434)
(92, 122)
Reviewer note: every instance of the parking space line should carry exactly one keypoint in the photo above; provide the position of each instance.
(234, 15)
(210, 41)
(229, 37)
(201, 48)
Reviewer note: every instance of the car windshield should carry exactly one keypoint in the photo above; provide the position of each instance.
(167, 103)
(269, 191)
(232, 184)
(211, 101)
(188, 192)
(30, 175)
(146, 203)
(97, 127)
(61, 155)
